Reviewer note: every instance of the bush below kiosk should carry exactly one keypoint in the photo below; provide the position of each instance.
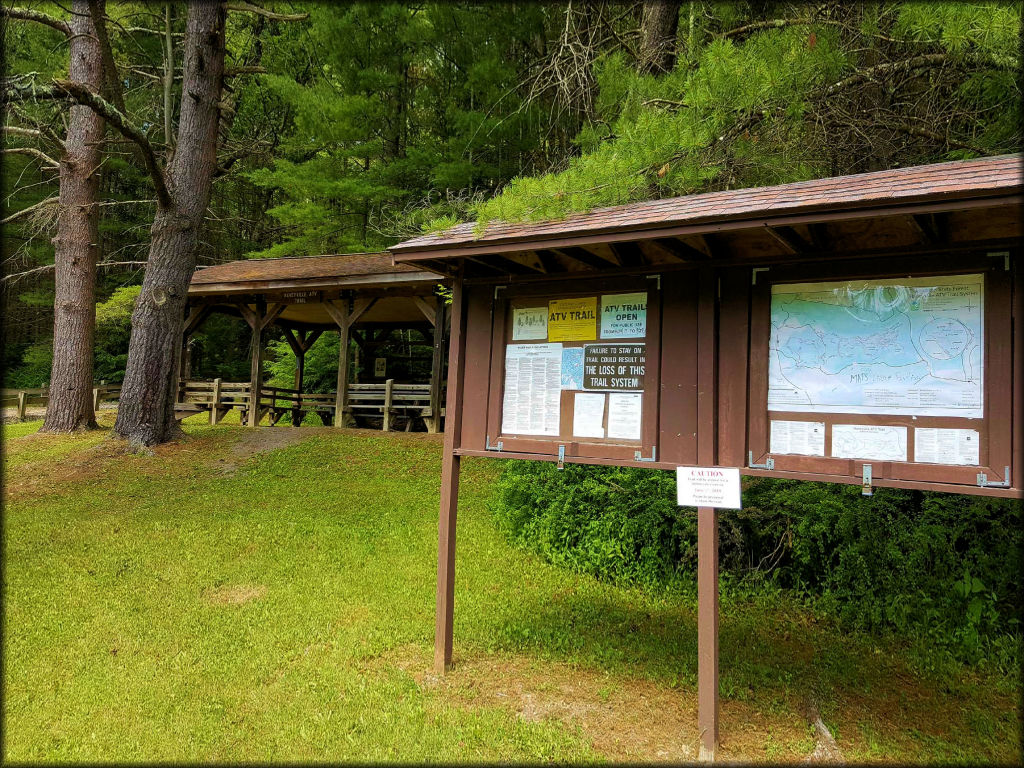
(895, 561)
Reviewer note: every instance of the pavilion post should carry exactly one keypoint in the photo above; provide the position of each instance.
(256, 367)
(707, 520)
(436, 368)
(341, 397)
(300, 368)
(449, 488)
(215, 402)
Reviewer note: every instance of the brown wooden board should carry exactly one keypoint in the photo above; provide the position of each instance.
(732, 304)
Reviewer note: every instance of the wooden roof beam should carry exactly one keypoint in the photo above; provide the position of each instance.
(932, 229)
(494, 269)
(820, 236)
(583, 256)
(680, 249)
(548, 262)
(789, 239)
(629, 254)
(427, 309)
(517, 267)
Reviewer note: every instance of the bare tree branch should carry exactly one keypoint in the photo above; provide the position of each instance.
(247, 70)
(30, 209)
(41, 128)
(32, 152)
(82, 94)
(14, 130)
(873, 73)
(913, 130)
(27, 14)
(50, 267)
(250, 8)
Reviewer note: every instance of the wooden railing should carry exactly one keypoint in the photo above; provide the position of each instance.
(216, 397)
(387, 400)
(22, 398)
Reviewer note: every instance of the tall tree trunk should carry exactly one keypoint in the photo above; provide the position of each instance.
(146, 413)
(658, 25)
(76, 244)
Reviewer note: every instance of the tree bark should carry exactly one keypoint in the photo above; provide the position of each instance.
(146, 413)
(658, 25)
(76, 244)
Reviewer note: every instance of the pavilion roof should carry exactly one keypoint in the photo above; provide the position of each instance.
(958, 180)
(330, 270)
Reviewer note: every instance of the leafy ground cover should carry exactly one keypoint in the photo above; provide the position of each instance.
(257, 595)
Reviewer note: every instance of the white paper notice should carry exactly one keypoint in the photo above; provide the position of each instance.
(624, 316)
(865, 441)
(708, 487)
(624, 415)
(806, 438)
(946, 446)
(588, 415)
(533, 378)
(530, 324)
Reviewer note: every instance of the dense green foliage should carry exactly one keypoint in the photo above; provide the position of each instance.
(942, 565)
(368, 122)
(787, 103)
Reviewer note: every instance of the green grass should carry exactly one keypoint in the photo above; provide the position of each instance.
(122, 641)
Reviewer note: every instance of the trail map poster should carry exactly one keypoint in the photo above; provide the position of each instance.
(909, 346)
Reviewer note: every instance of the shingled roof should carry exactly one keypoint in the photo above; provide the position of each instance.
(984, 177)
(347, 265)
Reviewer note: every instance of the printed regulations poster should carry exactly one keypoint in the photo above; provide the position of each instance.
(533, 389)
(909, 346)
(946, 446)
(805, 438)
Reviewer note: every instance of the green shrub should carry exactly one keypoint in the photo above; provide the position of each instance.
(942, 565)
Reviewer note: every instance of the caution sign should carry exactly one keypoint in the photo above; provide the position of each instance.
(614, 367)
(572, 319)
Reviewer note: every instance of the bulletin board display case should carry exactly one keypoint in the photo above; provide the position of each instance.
(575, 369)
(906, 366)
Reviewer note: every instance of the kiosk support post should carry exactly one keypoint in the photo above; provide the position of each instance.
(449, 488)
(707, 518)
(707, 630)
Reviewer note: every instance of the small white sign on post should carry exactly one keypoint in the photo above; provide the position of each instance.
(708, 487)
(380, 367)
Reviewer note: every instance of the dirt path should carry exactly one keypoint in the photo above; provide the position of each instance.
(627, 720)
(260, 440)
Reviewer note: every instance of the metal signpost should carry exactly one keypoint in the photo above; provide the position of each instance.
(863, 330)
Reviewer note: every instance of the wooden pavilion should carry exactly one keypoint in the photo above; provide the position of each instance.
(362, 296)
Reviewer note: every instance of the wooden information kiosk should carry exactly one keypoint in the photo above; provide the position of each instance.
(864, 329)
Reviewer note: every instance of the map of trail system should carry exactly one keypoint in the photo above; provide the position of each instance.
(909, 346)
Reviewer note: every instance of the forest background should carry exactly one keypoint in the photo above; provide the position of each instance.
(348, 127)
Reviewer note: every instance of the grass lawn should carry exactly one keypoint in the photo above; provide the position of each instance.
(268, 595)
